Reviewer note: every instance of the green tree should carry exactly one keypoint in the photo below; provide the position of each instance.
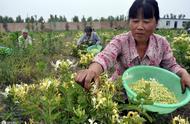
(117, 18)
(5, 19)
(183, 16)
(32, 20)
(41, 20)
(64, 19)
(60, 18)
(75, 19)
(96, 20)
(1, 19)
(56, 19)
(27, 20)
(102, 19)
(180, 16)
(122, 18)
(110, 18)
(51, 19)
(89, 19)
(19, 19)
(10, 20)
(83, 19)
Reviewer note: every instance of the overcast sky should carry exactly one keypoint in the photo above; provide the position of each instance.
(87, 8)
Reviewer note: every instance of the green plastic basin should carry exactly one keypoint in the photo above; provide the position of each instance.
(5, 50)
(94, 49)
(167, 78)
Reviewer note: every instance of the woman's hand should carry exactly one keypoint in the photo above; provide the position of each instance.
(185, 79)
(85, 77)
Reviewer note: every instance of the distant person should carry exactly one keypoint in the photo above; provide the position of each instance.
(24, 40)
(89, 37)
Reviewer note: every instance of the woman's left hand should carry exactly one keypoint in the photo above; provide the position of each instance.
(185, 81)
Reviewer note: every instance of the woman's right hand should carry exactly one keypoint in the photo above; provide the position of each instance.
(85, 77)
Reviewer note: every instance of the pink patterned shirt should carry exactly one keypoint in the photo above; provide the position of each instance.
(121, 52)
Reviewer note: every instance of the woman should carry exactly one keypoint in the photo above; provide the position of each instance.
(89, 38)
(24, 40)
(140, 46)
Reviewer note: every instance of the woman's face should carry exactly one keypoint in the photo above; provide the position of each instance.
(88, 34)
(25, 34)
(142, 28)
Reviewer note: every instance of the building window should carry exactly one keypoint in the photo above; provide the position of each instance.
(175, 24)
(167, 23)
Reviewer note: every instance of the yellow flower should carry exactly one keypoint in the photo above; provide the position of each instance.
(130, 114)
(179, 120)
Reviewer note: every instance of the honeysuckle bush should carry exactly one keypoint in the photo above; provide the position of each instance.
(78, 50)
(107, 35)
(180, 120)
(56, 97)
(33, 63)
(64, 101)
(85, 59)
(181, 49)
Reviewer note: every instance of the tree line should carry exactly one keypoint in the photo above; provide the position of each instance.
(34, 20)
(56, 18)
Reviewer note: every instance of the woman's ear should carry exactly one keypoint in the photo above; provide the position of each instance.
(156, 25)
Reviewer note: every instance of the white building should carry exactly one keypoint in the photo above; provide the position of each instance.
(172, 23)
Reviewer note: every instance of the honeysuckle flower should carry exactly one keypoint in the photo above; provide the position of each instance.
(7, 89)
(48, 84)
(4, 94)
(92, 121)
(179, 120)
(56, 65)
(69, 62)
(94, 101)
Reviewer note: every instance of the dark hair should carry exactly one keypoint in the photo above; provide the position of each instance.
(88, 29)
(149, 9)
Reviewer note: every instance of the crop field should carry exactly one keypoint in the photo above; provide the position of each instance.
(37, 83)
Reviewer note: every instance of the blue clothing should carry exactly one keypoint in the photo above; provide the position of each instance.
(93, 39)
